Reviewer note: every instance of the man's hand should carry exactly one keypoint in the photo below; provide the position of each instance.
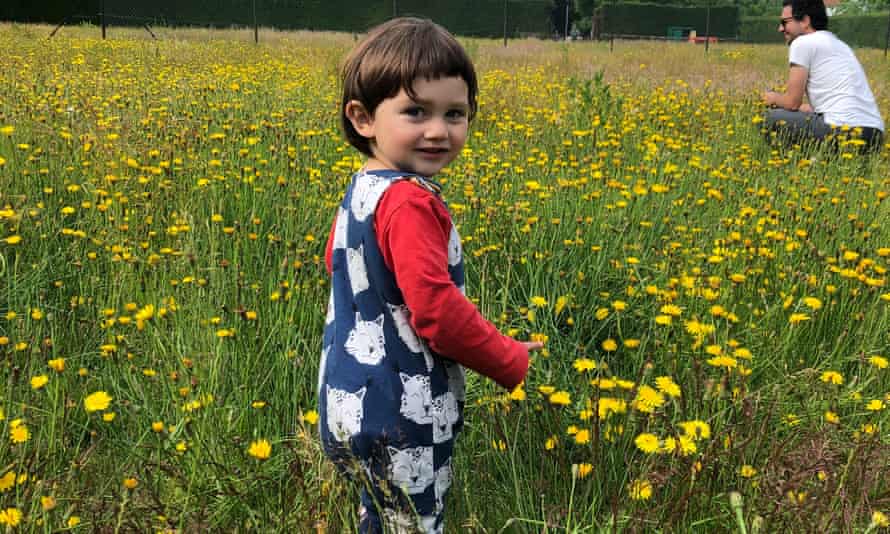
(806, 108)
(770, 98)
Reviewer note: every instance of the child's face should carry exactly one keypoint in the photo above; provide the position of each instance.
(420, 135)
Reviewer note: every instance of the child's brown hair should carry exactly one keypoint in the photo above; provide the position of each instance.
(391, 57)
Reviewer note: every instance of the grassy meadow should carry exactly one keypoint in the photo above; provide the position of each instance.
(716, 311)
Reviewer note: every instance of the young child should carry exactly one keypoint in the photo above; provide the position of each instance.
(399, 329)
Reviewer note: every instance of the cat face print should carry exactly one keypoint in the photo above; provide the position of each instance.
(444, 476)
(358, 273)
(344, 412)
(341, 225)
(445, 413)
(365, 342)
(411, 469)
(457, 379)
(321, 367)
(416, 399)
(365, 193)
(455, 253)
(330, 315)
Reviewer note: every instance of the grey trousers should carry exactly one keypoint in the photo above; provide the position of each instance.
(799, 127)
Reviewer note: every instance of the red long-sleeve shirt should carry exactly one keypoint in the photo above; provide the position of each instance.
(413, 227)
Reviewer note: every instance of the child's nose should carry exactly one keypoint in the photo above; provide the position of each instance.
(437, 129)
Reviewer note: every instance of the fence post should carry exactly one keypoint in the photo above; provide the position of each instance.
(887, 40)
(102, 18)
(256, 29)
(505, 23)
(567, 21)
(708, 29)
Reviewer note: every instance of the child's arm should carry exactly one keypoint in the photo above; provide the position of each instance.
(329, 248)
(413, 228)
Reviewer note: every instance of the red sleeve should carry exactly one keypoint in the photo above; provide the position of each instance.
(413, 228)
(329, 248)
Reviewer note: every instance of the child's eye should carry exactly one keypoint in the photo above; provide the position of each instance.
(415, 111)
(456, 114)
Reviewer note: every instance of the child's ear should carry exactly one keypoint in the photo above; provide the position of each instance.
(361, 120)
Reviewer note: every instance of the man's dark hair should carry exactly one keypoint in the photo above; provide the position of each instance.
(814, 8)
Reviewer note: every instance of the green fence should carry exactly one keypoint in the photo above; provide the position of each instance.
(862, 30)
(668, 21)
(463, 17)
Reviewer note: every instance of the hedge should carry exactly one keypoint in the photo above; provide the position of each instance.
(463, 17)
(859, 30)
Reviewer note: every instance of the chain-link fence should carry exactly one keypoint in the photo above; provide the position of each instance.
(482, 18)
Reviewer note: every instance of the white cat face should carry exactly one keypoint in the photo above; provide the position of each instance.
(445, 414)
(416, 399)
(455, 253)
(411, 469)
(344, 412)
(457, 379)
(365, 342)
(398, 522)
(365, 194)
(444, 477)
(340, 227)
(358, 274)
(402, 318)
(321, 366)
(329, 316)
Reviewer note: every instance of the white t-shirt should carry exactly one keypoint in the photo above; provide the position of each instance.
(837, 86)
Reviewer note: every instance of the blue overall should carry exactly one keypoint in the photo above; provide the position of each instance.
(390, 407)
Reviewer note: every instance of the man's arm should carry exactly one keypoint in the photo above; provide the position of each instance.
(793, 97)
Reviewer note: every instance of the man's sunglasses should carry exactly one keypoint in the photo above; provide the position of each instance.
(786, 20)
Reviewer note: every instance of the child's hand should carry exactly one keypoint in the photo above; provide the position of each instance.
(532, 346)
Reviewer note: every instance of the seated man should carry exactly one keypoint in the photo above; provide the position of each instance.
(841, 103)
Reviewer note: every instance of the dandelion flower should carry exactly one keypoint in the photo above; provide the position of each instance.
(260, 449)
(723, 361)
(648, 399)
(11, 517)
(880, 520)
(610, 345)
(878, 361)
(39, 381)
(584, 470)
(7, 480)
(311, 417)
(747, 471)
(672, 310)
(687, 445)
(813, 303)
(96, 401)
(584, 364)
(582, 437)
(798, 318)
(560, 398)
(47, 502)
(832, 377)
(640, 490)
(875, 405)
(647, 443)
(538, 302)
(18, 431)
(696, 429)
(666, 385)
